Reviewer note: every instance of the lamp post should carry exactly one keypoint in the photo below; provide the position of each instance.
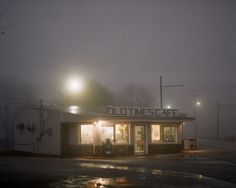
(197, 105)
(218, 120)
(3, 30)
(2, 33)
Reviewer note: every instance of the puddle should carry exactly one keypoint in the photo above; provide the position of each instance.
(135, 177)
(103, 166)
(212, 162)
(92, 182)
(180, 180)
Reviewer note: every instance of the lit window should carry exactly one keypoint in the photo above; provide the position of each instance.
(122, 133)
(86, 134)
(156, 133)
(169, 133)
(107, 132)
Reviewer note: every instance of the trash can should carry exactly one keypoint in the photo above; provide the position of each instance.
(190, 144)
(193, 143)
(186, 144)
(107, 147)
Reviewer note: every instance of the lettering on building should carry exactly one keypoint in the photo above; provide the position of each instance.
(145, 112)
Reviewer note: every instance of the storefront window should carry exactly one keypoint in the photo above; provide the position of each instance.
(107, 132)
(169, 133)
(156, 131)
(122, 133)
(86, 134)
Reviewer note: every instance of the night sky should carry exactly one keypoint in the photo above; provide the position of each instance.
(190, 42)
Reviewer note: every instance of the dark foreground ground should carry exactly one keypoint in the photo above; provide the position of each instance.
(209, 166)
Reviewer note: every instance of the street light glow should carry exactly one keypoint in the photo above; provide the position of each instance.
(74, 85)
(168, 107)
(198, 103)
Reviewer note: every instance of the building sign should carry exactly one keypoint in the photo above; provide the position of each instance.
(147, 112)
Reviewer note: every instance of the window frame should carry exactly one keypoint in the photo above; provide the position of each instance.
(160, 133)
(81, 137)
(112, 141)
(175, 133)
(115, 139)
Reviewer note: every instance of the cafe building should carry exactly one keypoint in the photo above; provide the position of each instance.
(100, 131)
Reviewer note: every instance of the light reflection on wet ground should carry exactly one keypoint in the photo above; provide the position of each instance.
(103, 166)
(92, 182)
(191, 172)
(167, 182)
(137, 177)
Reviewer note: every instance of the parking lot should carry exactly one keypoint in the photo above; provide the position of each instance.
(201, 168)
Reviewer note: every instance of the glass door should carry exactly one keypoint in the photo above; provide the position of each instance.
(139, 139)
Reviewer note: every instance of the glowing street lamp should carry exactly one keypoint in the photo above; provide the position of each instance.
(168, 107)
(74, 85)
(198, 104)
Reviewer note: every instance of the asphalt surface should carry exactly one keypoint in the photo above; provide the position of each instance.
(209, 166)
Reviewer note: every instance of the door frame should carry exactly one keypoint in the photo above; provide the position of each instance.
(144, 139)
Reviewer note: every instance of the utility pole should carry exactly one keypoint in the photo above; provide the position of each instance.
(164, 86)
(195, 126)
(196, 106)
(218, 120)
(41, 119)
(161, 92)
(3, 30)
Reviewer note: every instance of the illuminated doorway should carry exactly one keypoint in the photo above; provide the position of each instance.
(139, 139)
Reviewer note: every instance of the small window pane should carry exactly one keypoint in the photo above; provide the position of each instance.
(107, 132)
(86, 134)
(169, 133)
(122, 133)
(156, 133)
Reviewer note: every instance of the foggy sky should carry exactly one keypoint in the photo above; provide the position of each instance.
(117, 42)
(190, 42)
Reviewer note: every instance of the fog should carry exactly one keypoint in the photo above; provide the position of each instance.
(190, 42)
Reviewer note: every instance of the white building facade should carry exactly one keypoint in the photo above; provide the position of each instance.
(129, 131)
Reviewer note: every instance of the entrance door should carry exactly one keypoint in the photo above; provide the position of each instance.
(139, 139)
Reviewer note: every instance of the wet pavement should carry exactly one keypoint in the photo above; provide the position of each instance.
(189, 170)
(201, 168)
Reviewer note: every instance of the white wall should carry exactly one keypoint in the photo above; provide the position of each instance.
(73, 135)
(28, 140)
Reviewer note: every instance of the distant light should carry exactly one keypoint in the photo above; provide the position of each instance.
(200, 176)
(73, 109)
(75, 85)
(168, 107)
(198, 103)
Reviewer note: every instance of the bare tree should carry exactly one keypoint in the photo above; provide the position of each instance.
(15, 97)
(135, 95)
